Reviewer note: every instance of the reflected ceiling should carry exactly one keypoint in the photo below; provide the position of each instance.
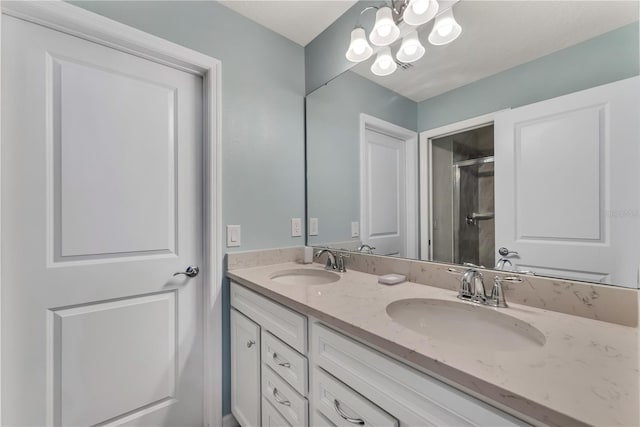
(498, 35)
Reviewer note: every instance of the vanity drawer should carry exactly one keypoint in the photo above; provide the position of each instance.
(282, 322)
(343, 406)
(271, 417)
(293, 407)
(286, 362)
(413, 397)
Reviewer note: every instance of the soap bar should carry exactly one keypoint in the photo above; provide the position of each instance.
(392, 279)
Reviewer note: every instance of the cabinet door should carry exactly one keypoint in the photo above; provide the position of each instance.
(271, 417)
(245, 370)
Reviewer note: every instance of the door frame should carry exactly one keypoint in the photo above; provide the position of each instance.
(75, 21)
(410, 139)
(426, 173)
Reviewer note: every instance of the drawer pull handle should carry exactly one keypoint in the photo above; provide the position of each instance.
(336, 406)
(283, 364)
(250, 343)
(280, 400)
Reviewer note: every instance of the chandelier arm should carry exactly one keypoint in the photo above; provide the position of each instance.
(358, 23)
(400, 9)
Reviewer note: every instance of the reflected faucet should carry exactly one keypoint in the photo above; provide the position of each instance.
(502, 263)
(366, 249)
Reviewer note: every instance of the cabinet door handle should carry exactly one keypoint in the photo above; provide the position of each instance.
(336, 406)
(283, 364)
(280, 400)
(250, 343)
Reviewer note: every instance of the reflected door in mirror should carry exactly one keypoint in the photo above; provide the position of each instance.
(566, 184)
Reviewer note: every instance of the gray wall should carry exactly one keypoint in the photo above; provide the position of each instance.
(604, 59)
(262, 117)
(325, 55)
(333, 148)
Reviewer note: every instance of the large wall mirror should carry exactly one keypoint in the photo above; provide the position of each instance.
(514, 147)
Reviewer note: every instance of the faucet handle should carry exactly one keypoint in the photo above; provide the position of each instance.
(340, 262)
(497, 293)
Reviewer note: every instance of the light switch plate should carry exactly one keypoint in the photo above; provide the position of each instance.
(313, 226)
(355, 229)
(296, 227)
(233, 236)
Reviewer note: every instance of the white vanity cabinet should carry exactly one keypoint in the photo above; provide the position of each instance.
(301, 372)
(245, 370)
(401, 393)
(271, 417)
(269, 365)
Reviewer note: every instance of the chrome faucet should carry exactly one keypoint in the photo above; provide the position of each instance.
(331, 259)
(472, 289)
(334, 262)
(472, 286)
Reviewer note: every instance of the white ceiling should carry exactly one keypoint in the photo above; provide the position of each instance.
(498, 35)
(298, 20)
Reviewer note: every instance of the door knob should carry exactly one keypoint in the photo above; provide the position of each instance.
(191, 271)
(506, 252)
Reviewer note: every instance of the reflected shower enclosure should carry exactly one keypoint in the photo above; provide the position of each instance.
(463, 197)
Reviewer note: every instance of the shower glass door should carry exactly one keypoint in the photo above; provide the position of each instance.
(473, 211)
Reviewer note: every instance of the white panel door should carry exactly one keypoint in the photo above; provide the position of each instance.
(566, 179)
(384, 214)
(245, 370)
(102, 203)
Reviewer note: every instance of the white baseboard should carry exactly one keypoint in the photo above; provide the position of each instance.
(229, 421)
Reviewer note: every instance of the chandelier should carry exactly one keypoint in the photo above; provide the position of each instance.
(386, 31)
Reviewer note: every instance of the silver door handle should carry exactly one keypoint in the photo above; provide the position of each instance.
(191, 271)
(336, 406)
(506, 252)
(250, 343)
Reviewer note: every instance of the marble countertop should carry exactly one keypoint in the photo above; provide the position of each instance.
(587, 372)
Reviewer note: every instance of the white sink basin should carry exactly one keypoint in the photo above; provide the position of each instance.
(303, 276)
(465, 324)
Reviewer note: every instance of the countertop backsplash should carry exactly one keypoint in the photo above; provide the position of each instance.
(593, 301)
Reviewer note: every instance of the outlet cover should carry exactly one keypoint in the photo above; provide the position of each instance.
(313, 226)
(233, 236)
(355, 229)
(296, 227)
